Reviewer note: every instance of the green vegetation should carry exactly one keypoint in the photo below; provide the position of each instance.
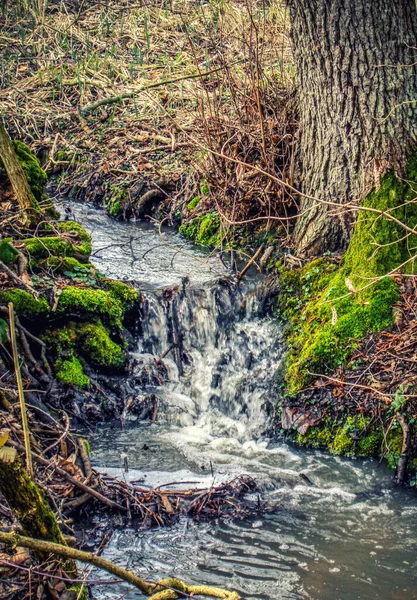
(82, 238)
(96, 345)
(357, 436)
(91, 341)
(94, 302)
(203, 229)
(8, 252)
(35, 175)
(127, 295)
(62, 264)
(24, 303)
(326, 321)
(48, 246)
(193, 203)
(71, 371)
(117, 200)
(75, 242)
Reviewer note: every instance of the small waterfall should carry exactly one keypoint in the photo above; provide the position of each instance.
(207, 355)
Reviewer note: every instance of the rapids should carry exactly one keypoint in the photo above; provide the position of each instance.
(350, 535)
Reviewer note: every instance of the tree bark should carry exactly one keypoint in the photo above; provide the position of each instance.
(30, 213)
(27, 501)
(356, 89)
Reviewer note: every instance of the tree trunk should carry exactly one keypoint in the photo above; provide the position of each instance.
(27, 501)
(356, 92)
(29, 209)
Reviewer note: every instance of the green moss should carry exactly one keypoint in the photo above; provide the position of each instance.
(316, 437)
(117, 201)
(193, 203)
(91, 341)
(75, 242)
(71, 371)
(80, 236)
(342, 443)
(87, 447)
(48, 246)
(62, 155)
(127, 295)
(356, 436)
(94, 302)
(35, 175)
(98, 348)
(8, 252)
(204, 229)
(394, 442)
(115, 209)
(24, 303)
(326, 322)
(67, 263)
(371, 443)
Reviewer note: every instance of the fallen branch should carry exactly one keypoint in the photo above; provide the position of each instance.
(165, 589)
(86, 110)
(16, 278)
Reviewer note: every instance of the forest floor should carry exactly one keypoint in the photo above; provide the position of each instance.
(128, 106)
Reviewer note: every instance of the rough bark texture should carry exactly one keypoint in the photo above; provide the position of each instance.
(356, 93)
(28, 502)
(27, 202)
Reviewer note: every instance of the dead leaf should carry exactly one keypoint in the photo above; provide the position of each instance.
(350, 285)
(334, 316)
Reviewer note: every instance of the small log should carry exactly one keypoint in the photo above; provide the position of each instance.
(166, 589)
(29, 209)
(26, 500)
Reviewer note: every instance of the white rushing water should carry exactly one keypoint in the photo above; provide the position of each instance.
(351, 535)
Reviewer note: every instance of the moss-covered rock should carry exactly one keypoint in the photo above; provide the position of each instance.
(90, 342)
(71, 371)
(356, 436)
(91, 301)
(127, 295)
(25, 303)
(42, 247)
(81, 238)
(327, 320)
(95, 344)
(74, 241)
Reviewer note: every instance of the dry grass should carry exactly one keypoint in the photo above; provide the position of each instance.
(82, 52)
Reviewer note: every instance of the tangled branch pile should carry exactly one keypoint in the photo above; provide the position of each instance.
(63, 470)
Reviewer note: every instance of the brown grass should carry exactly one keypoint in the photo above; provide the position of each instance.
(53, 67)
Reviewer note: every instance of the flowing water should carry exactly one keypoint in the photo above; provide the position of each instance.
(350, 535)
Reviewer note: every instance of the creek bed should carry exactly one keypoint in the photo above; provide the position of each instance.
(351, 535)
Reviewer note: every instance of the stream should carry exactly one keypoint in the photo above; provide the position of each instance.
(350, 535)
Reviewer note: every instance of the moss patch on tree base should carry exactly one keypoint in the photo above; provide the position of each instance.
(326, 318)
